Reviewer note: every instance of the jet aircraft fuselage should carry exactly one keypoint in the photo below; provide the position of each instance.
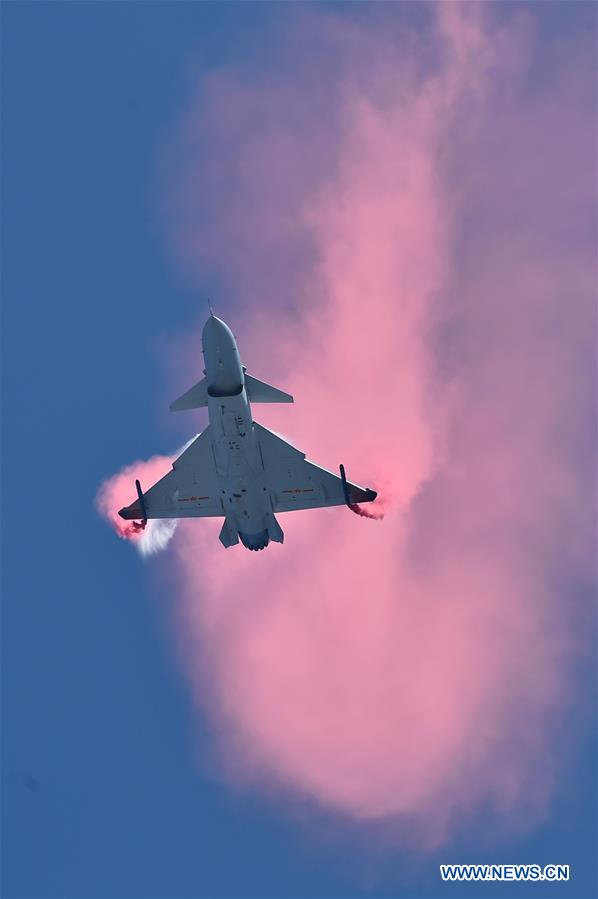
(237, 453)
(236, 468)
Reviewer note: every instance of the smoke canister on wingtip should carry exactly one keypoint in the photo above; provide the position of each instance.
(224, 372)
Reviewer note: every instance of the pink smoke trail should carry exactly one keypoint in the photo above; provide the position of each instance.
(119, 491)
(366, 513)
(408, 229)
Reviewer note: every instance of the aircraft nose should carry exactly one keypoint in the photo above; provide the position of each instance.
(221, 357)
(215, 331)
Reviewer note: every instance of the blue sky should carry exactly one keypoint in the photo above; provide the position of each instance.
(101, 791)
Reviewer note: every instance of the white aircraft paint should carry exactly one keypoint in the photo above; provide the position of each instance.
(236, 468)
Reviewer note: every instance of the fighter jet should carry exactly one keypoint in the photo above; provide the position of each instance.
(237, 469)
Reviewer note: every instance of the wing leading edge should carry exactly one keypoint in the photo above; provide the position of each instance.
(190, 490)
(295, 483)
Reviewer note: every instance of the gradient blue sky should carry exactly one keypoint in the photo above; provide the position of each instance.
(101, 792)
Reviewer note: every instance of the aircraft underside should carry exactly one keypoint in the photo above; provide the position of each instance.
(236, 468)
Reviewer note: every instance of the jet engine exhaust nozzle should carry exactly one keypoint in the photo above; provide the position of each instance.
(255, 541)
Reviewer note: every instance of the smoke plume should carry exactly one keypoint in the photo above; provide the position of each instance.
(402, 211)
(366, 513)
(119, 491)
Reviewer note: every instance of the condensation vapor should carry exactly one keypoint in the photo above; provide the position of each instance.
(403, 213)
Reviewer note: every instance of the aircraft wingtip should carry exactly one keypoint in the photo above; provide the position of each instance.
(130, 513)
